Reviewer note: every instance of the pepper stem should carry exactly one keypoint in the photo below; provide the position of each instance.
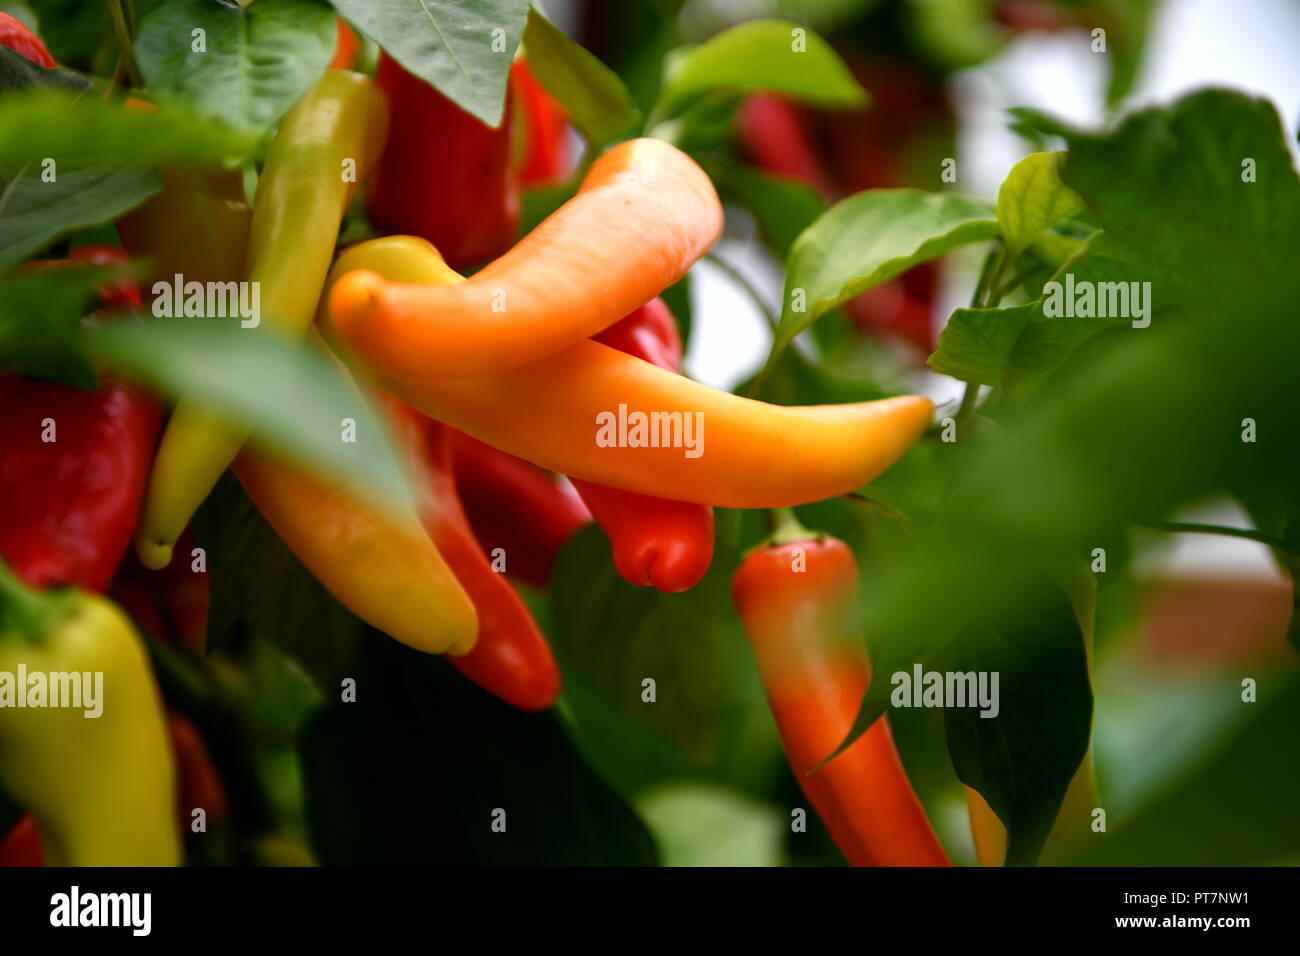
(24, 609)
(786, 528)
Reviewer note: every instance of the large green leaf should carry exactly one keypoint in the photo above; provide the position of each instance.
(1023, 758)
(243, 65)
(868, 239)
(421, 735)
(709, 717)
(774, 55)
(1169, 399)
(17, 73)
(463, 49)
(294, 399)
(1033, 199)
(593, 95)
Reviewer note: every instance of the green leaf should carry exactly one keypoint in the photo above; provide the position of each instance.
(17, 73)
(252, 64)
(258, 583)
(782, 207)
(462, 49)
(34, 212)
(593, 95)
(956, 33)
(868, 239)
(703, 824)
(420, 734)
(709, 717)
(774, 55)
(1023, 758)
(977, 344)
(40, 324)
(91, 131)
(1033, 199)
(294, 399)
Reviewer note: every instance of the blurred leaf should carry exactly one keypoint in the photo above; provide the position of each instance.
(709, 717)
(254, 62)
(1033, 199)
(870, 238)
(463, 50)
(34, 213)
(293, 398)
(1235, 807)
(258, 583)
(774, 55)
(17, 72)
(1128, 25)
(421, 736)
(40, 324)
(956, 33)
(1168, 399)
(596, 100)
(704, 824)
(1022, 759)
(88, 130)
(678, 299)
(783, 207)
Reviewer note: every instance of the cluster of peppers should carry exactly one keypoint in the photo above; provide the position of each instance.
(494, 386)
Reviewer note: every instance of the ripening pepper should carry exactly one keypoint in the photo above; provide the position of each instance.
(444, 174)
(798, 600)
(549, 411)
(644, 214)
(170, 605)
(22, 41)
(323, 149)
(514, 506)
(665, 544)
(544, 157)
(511, 659)
(73, 463)
(102, 788)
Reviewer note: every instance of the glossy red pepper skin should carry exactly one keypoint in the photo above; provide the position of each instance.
(665, 544)
(22, 41)
(805, 629)
(68, 507)
(443, 175)
(545, 155)
(513, 505)
(511, 658)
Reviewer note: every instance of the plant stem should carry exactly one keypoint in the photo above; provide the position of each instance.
(1188, 527)
(902, 519)
(786, 527)
(23, 609)
(738, 277)
(123, 34)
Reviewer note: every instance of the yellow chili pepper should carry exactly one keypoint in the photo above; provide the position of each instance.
(323, 150)
(98, 776)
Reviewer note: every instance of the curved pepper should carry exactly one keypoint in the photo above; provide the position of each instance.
(515, 506)
(511, 659)
(444, 175)
(337, 127)
(644, 214)
(102, 788)
(545, 155)
(24, 42)
(662, 543)
(550, 412)
(381, 568)
(799, 605)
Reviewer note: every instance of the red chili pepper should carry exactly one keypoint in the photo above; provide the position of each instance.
(345, 47)
(172, 601)
(665, 544)
(511, 658)
(73, 466)
(22, 41)
(546, 145)
(775, 135)
(443, 175)
(22, 846)
(799, 604)
(118, 294)
(513, 505)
